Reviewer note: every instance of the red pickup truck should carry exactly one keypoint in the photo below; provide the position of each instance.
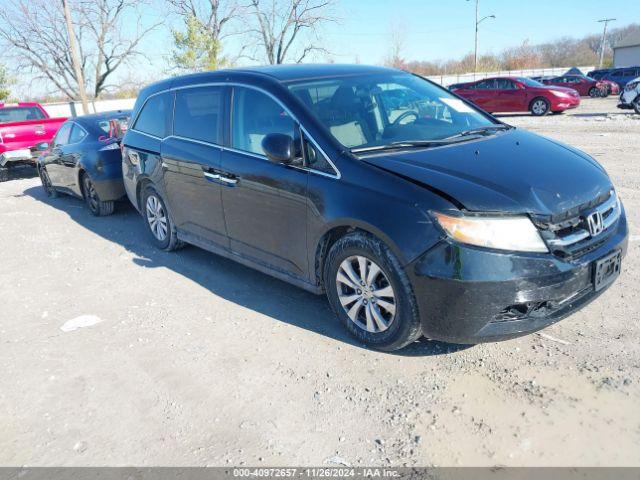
(22, 127)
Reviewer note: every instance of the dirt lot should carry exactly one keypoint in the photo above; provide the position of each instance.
(189, 359)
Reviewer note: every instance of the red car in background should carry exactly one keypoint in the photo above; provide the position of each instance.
(22, 127)
(583, 84)
(612, 87)
(518, 94)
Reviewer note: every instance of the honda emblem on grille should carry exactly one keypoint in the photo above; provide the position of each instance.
(595, 223)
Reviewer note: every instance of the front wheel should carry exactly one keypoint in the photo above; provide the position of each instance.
(47, 186)
(4, 174)
(96, 206)
(370, 293)
(636, 105)
(539, 107)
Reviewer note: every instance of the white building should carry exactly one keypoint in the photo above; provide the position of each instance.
(626, 52)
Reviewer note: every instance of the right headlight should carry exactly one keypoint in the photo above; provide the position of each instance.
(516, 233)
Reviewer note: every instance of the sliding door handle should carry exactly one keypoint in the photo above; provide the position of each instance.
(228, 180)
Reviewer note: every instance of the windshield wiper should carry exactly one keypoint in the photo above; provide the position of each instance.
(458, 137)
(411, 144)
(485, 129)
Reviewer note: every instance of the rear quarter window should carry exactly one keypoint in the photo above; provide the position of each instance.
(155, 116)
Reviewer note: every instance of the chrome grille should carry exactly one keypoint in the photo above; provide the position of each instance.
(570, 236)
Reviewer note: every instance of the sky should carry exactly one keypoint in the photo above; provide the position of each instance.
(444, 29)
(432, 29)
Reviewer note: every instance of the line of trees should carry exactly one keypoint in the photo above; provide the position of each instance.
(562, 52)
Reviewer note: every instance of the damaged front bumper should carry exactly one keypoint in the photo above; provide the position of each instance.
(472, 295)
(14, 157)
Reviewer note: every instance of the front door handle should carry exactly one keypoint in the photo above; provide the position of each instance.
(211, 176)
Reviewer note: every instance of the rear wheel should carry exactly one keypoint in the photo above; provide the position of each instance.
(48, 188)
(594, 92)
(636, 105)
(370, 293)
(539, 106)
(96, 206)
(159, 221)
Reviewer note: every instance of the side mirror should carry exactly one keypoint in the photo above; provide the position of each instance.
(42, 146)
(278, 147)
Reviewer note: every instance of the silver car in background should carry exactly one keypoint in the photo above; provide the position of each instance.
(630, 96)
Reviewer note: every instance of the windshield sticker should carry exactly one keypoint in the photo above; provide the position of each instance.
(457, 104)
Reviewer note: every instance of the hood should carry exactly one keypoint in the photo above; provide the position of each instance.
(510, 172)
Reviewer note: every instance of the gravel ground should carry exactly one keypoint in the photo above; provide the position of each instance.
(114, 353)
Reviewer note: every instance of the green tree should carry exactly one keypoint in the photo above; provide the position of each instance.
(197, 48)
(5, 83)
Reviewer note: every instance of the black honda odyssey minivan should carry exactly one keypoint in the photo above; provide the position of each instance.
(414, 211)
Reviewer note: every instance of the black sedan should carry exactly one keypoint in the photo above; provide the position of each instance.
(84, 160)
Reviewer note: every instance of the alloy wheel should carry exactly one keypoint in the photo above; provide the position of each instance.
(539, 107)
(91, 195)
(46, 181)
(365, 293)
(156, 217)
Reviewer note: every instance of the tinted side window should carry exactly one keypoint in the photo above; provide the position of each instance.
(254, 116)
(77, 134)
(505, 84)
(155, 116)
(62, 137)
(486, 85)
(198, 114)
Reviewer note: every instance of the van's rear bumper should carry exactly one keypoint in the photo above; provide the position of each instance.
(473, 295)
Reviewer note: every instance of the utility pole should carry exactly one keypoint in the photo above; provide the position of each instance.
(74, 57)
(475, 49)
(604, 36)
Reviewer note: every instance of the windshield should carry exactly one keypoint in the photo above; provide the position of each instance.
(376, 110)
(530, 82)
(20, 114)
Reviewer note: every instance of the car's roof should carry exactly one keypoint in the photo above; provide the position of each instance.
(291, 72)
(280, 73)
(504, 77)
(93, 117)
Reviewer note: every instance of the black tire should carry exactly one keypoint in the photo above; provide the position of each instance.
(96, 206)
(4, 174)
(170, 240)
(48, 188)
(539, 107)
(636, 106)
(594, 92)
(404, 326)
(557, 112)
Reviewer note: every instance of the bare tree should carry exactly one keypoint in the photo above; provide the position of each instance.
(288, 30)
(208, 24)
(30, 30)
(395, 56)
(105, 20)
